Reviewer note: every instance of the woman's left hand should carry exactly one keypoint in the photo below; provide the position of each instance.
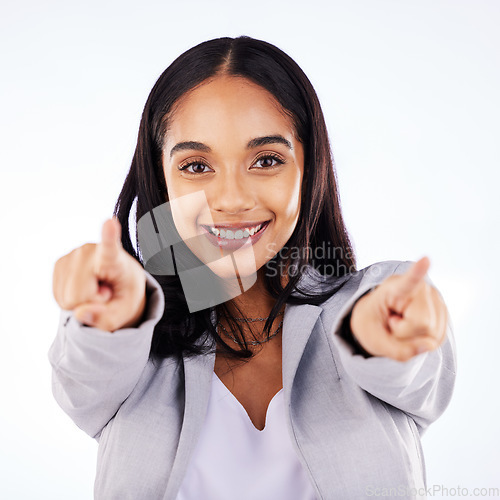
(402, 317)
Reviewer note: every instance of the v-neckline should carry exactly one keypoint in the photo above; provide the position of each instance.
(242, 408)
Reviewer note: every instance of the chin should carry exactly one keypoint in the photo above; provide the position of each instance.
(245, 271)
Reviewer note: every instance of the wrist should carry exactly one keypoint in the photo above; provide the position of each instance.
(348, 335)
(138, 318)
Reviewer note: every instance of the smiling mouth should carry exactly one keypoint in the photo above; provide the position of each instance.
(236, 233)
(232, 238)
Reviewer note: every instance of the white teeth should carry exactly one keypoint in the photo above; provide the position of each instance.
(239, 234)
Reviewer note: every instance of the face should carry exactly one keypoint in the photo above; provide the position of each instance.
(233, 169)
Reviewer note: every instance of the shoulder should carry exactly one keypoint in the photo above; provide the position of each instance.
(332, 296)
(375, 273)
(357, 283)
(371, 275)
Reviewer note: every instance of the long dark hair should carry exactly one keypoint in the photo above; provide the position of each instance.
(320, 225)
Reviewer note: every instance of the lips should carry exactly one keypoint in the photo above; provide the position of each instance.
(234, 236)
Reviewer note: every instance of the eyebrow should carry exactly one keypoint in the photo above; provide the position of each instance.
(254, 143)
(269, 139)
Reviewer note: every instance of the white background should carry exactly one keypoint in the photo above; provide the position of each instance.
(410, 90)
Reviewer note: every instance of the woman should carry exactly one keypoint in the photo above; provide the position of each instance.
(298, 376)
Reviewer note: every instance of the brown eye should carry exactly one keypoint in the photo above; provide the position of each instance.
(269, 162)
(194, 168)
(197, 168)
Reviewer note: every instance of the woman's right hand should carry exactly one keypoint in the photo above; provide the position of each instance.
(102, 284)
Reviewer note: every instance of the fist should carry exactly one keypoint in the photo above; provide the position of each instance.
(402, 317)
(102, 284)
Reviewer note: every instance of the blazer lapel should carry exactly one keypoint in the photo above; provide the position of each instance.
(198, 372)
(298, 324)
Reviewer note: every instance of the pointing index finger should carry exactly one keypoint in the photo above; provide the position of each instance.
(108, 248)
(409, 281)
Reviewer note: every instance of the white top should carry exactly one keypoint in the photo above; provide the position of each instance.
(233, 459)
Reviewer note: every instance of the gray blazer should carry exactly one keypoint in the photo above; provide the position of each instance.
(355, 422)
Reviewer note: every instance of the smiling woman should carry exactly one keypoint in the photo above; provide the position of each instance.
(321, 373)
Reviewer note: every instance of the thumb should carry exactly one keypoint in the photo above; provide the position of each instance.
(88, 314)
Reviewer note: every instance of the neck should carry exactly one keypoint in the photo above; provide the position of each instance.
(254, 302)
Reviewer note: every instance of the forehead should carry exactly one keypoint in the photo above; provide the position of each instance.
(227, 107)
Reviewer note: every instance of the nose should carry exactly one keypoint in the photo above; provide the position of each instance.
(231, 194)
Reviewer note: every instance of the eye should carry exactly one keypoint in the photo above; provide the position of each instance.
(195, 167)
(269, 161)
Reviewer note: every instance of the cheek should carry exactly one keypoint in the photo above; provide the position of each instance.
(177, 189)
(284, 201)
(172, 186)
(188, 208)
(287, 198)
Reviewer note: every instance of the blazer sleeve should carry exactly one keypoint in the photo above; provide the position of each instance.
(94, 371)
(422, 386)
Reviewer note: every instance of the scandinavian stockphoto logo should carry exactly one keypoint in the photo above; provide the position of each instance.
(172, 242)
